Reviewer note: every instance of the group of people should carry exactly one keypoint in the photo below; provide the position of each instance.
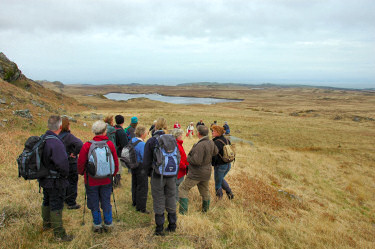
(70, 157)
(190, 128)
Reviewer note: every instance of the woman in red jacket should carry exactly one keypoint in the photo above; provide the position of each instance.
(98, 190)
(177, 133)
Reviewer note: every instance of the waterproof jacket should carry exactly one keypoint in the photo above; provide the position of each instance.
(55, 158)
(199, 158)
(139, 149)
(217, 160)
(183, 161)
(83, 160)
(121, 139)
(226, 128)
(73, 146)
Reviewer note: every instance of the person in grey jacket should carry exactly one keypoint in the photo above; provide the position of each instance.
(199, 173)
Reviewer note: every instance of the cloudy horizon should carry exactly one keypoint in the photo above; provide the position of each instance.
(329, 43)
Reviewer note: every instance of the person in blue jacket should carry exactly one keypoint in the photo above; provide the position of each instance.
(226, 128)
(139, 174)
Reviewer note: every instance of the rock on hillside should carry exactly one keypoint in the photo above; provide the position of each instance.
(9, 70)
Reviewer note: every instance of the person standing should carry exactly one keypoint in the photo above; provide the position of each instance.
(177, 133)
(199, 173)
(163, 188)
(221, 168)
(98, 189)
(139, 174)
(226, 128)
(121, 142)
(130, 130)
(199, 123)
(54, 187)
(73, 146)
(176, 125)
(190, 130)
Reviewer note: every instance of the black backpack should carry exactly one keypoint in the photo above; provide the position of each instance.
(30, 165)
(128, 155)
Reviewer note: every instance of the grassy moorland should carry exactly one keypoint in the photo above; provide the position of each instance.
(308, 181)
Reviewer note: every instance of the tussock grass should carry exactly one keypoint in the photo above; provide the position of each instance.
(308, 181)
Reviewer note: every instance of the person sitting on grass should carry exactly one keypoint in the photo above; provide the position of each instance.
(98, 189)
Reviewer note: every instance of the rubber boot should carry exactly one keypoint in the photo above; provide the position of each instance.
(205, 206)
(57, 225)
(46, 218)
(108, 224)
(159, 220)
(97, 221)
(184, 203)
(172, 219)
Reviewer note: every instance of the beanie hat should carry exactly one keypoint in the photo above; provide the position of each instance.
(134, 120)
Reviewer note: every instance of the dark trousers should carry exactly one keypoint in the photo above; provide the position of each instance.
(53, 198)
(139, 188)
(71, 191)
(164, 194)
(99, 194)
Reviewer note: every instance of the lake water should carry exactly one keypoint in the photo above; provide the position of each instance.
(168, 99)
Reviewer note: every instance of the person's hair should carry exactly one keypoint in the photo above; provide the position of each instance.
(119, 119)
(161, 124)
(218, 129)
(54, 122)
(140, 130)
(203, 130)
(99, 127)
(177, 132)
(109, 119)
(65, 124)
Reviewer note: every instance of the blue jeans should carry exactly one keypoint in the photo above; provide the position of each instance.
(220, 171)
(99, 194)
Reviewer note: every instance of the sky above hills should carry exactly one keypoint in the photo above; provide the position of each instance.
(315, 42)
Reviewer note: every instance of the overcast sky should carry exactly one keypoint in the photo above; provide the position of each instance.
(316, 42)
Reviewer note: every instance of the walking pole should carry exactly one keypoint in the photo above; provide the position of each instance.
(114, 201)
(84, 207)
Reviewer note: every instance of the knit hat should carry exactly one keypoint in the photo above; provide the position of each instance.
(134, 120)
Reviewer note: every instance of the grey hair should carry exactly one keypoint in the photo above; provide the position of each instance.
(99, 127)
(203, 130)
(54, 122)
(177, 132)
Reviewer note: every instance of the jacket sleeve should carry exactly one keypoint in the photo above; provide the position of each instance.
(122, 139)
(59, 158)
(183, 161)
(195, 156)
(114, 154)
(76, 145)
(148, 156)
(82, 158)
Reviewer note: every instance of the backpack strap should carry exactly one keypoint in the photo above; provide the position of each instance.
(63, 135)
(137, 142)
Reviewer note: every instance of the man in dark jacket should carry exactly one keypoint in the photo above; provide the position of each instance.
(54, 186)
(199, 123)
(121, 142)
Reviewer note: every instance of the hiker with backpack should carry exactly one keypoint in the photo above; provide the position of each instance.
(54, 185)
(73, 146)
(199, 173)
(221, 162)
(177, 133)
(139, 174)
(121, 140)
(98, 163)
(161, 159)
(130, 130)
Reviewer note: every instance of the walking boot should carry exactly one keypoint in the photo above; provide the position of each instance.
(108, 225)
(230, 195)
(172, 219)
(184, 203)
(57, 225)
(97, 221)
(205, 206)
(227, 189)
(159, 220)
(46, 218)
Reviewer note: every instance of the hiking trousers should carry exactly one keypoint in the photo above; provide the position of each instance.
(220, 171)
(71, 190)
(54, 198)
(139, 188)
(178, 183)
(163, 194)
(203, 187)
(99, 194)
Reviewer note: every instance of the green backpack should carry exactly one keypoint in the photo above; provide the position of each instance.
(111, 134)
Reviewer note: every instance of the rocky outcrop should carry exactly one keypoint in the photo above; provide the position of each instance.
(9, 70)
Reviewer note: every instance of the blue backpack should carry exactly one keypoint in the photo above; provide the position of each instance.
(166, 156)
(100, 160)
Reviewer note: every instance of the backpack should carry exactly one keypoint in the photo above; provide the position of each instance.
(128, 155)
(228, 152)
(166, 156)
(111, 134)
(30, 165)
(128, 134)
(100, 160)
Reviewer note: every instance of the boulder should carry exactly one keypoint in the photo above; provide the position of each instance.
(3, 101)
(23, 113)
